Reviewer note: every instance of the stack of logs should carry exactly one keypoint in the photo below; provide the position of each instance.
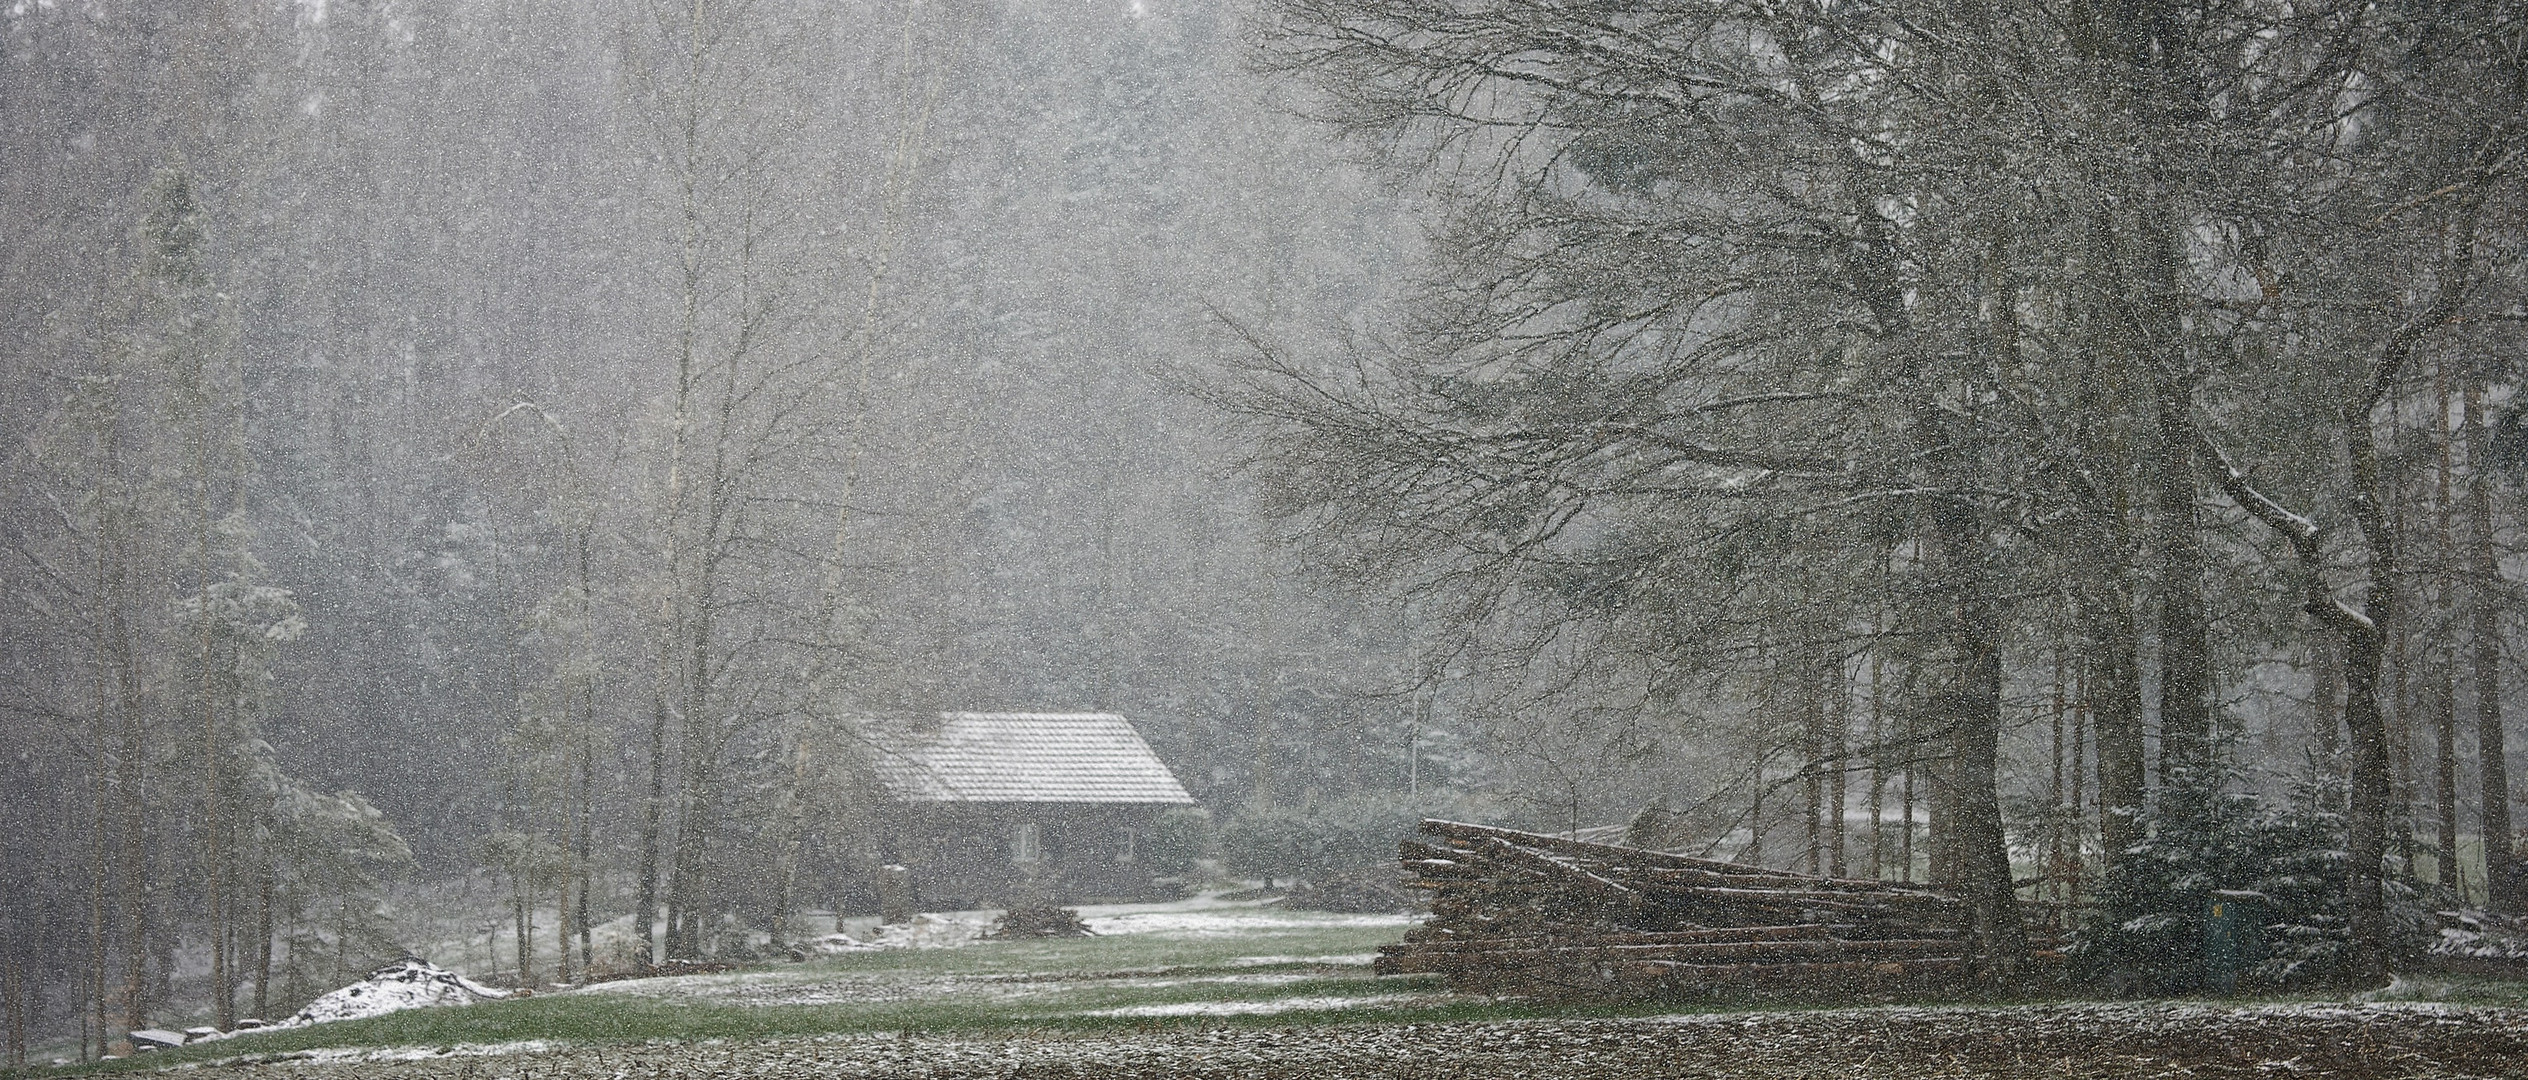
(1542, 916)
(1039, 921)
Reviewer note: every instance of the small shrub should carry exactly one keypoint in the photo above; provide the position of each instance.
(1374, 891)
(1178, 840)
(1330, 839)
(2287, 864)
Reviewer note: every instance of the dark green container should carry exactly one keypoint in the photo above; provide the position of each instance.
(2233, 937)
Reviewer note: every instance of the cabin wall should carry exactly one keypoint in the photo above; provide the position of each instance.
(969, 855)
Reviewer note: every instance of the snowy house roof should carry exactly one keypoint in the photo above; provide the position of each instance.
(1022, 757)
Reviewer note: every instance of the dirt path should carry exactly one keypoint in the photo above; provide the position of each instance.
(2069, 1041)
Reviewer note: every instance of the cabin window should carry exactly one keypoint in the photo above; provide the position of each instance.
(1026, 844)
(1124, 847)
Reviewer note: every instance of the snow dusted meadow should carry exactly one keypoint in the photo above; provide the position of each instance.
(2086, 1041)
(1207, 988)
(1213, 954)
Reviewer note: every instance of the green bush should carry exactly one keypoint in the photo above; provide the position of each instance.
(2286, 865)
(1320, 842)
(1176, 840)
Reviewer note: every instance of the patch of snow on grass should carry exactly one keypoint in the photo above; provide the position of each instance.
(1363, 959)
(1253, 1008)
(1238, 921)
(1274, 978)
(753, 989)
(932, 932)
(331, 1055)
(2480, 944)
(926, 931)
(409, 983)
(2121, 1015)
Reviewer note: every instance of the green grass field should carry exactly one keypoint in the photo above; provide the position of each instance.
(1299, 973)
(1279, 974)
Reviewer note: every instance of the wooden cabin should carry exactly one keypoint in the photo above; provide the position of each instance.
(990, 809)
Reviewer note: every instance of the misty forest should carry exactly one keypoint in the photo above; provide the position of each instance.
(1954, 495)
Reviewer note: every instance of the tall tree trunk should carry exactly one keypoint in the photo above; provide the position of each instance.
(2444, 708)
(2055, 859)
(1813, 771)
(214, 875)
(645, 911)
(584, 764)
(1970, 852)
(1878, 770)
(116, 718)
(1753, 853)
(342, 936)
(2401, 713)
(100, 860)
(13, 995)
(2443, 652)
(689, 891)
(584, 831)
(2138, 239)
(792, 826)
(2116, 692)
(687, 601)
(686, 889)
(522, 905)
(2364, 635)
(2367, 895)
(290, 964)
(268, 876)
(1968, 702)
(139, 884)
(2185, 664)
(2504, 889)
(562, 919)
(1913, 755)
(214, 856)
(1838, 741)
(2079, 777)
(2326, 693)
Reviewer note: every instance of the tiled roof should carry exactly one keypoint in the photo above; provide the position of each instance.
(1022, 757)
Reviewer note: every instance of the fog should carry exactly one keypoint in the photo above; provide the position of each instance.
(454, 442)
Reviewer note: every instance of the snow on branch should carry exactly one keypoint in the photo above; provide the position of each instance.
(2305, 534)
(2235, 484)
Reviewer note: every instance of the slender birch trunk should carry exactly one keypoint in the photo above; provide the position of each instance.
(2504, 889)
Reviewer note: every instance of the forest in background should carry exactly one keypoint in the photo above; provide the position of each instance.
(532, 395)
(467, 435)
(2112, 365)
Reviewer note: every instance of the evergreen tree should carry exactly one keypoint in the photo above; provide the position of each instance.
(2281, 868)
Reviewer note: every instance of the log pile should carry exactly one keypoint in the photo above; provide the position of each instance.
(1542, 916)
(1039, 921)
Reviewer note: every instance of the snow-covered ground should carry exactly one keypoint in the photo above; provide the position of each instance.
(1207, 958)
(1261, 1008)
(1205, 916)
(2078, 1041)
(2478, 936)
(1280, 937)
(408, 983)
(758, 989)
(1244, 921)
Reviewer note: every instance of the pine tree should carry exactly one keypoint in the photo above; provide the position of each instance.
(2208, 842)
